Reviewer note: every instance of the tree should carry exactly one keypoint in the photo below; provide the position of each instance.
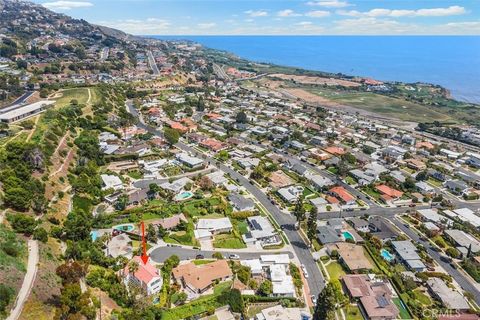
(40, 234)
(133, 267)
(325, 308)
(312, 224)
(299, 210)
(6, 294)
(151, 233)
(217, 255)
(265, 288)
(244, 274)
(161, 231)
(205, 183)
(241, 117)
(22, 223)
(122, 202)
(171, 135)
(71, 272)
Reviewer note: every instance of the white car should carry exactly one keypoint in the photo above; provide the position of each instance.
(305, 273)
(234, 257)
(314, 300)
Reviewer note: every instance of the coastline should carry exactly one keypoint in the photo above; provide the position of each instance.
(460, 81)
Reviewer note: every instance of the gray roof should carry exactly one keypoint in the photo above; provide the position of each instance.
(450, 298)
(464, 239)
(327, 235)
(240, 202)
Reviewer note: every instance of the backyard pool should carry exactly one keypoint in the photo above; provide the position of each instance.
(125, 227)
(184, 195)
(94, 235)
(387, 255)
(347, 235)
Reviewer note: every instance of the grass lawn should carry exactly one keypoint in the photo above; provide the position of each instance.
(353, 313)
(422, 298)
(198, 306)
(203, 261)
(82, 203)
(404, 314)
(80, 94)
(388, 106)
(350, 180)
(228, 241)
(332, 170)
(182, 237)
(335, 270)
(434, 182)
(242, 226)
(135, 174)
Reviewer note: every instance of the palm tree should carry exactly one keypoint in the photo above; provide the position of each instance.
(133, 267)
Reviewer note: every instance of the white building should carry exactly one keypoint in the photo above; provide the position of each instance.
(111, 182)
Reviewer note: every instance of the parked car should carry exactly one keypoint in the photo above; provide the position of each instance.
(234, 256)
(314, 300)
(305, 273)
(199, 256)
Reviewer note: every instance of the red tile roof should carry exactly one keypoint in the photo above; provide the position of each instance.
(386, 190)
(342, 194)
(145, 273)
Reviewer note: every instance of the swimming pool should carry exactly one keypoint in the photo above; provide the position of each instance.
(347, 235)
(184, 195)
(125, 227)
(387, 255)
(94, 235)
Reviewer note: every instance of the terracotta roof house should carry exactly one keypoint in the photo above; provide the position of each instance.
(337, 151)
(147, 277)
(388, 194)
(280, 179)
(342, 195)
(352, 256)
(170, 222)
(213, 144)
(178, 126)
(199, 278)
(374, 296)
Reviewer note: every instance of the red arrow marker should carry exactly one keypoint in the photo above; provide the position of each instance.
(144, 245)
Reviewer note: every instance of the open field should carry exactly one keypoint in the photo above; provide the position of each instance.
(384, 105)
(64, 97)
(315, 80)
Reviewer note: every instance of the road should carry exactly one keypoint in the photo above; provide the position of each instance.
(160, 254)
(316, 281)
(104, 54)
(220, 72)
(20, 100)
(27, 280)
(152, 63)
(457, 275)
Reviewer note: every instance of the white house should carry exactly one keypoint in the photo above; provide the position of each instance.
(147, 277)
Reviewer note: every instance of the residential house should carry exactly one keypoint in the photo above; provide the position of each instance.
(374, 296)
(343, 195)
(407, 252)
(240, 203)
(450, 298)
(200, 278)
(206, 228)
(351, 255)
(290, 194)
(147, 277)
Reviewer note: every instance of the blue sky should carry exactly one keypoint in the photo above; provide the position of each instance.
(278, 17)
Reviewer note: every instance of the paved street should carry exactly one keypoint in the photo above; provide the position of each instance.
(152, 63)
(160, 254)
(457, 275)
(315, 280)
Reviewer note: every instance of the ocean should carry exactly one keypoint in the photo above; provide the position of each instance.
(450, 61)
